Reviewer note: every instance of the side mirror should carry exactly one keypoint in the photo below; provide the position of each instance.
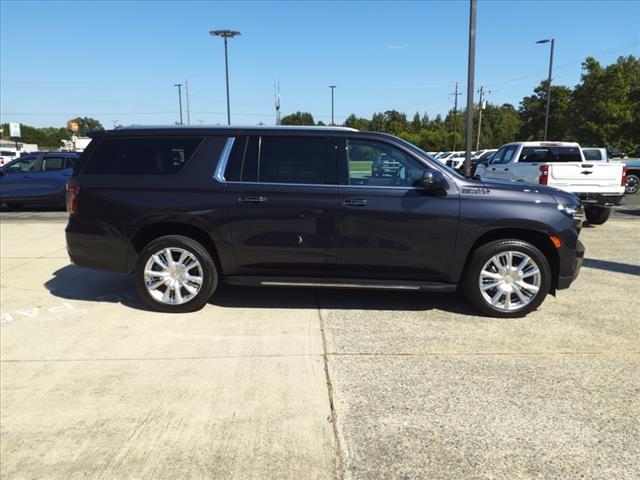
(432, 182)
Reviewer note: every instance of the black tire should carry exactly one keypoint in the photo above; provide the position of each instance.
(633, 183)
(210, 273)
(482, 255)
(597, 215)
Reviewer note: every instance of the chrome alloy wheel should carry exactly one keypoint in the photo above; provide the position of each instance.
(510, 280)
(173, 276)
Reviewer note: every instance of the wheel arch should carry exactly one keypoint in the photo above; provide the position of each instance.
(152, 231)
(538, 239)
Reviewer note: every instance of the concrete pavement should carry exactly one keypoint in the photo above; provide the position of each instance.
(93, 385)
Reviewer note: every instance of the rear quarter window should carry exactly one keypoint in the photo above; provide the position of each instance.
(141, 156)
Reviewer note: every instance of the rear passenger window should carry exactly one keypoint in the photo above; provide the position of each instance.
(141, 156)
(305, 160)
(52, 163)
(243, 161)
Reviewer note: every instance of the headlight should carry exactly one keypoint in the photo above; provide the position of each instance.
(573, 211)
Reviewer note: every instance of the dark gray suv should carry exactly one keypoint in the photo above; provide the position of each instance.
(185, 208)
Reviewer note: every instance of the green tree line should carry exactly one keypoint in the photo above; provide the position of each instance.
(602, 110)
(51, 137)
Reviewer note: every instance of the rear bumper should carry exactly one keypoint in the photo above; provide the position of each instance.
(572, 269)
(600, 199)
(91, 247)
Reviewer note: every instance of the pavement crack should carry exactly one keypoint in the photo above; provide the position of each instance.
(332, 408)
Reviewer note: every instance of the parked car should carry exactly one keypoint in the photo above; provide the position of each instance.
(594, 154)
(7, 156)
(561, 164)
(482, 157)
(614, 153)
(36, 179)
(384, 165)
(455, 161)
(184, 209)
(633, 176)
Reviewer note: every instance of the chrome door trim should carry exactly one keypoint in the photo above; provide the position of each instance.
(223, 160)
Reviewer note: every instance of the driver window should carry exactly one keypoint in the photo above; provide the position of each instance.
(377, 164)
(504, 155)
(22, 166)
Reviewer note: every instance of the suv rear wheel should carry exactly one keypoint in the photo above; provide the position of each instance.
(175, 274)
(507, 278)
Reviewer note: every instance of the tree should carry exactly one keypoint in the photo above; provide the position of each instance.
(416, 123)
(500, 125)
(377, 123)
(48, 137)
(357, 122)
(87, 124)
(606, 104)
(298, 118)
(533, 111)
(395, 122)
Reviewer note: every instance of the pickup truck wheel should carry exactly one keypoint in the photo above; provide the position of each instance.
(633, 183)
(507, 278)
(597, 215)
(175, 274)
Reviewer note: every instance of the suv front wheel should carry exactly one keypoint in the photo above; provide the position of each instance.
(175, 274)
(507, 278)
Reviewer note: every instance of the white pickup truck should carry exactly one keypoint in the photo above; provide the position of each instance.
(561, 165)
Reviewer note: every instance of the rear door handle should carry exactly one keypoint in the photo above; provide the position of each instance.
(252, 199)
(356, 202)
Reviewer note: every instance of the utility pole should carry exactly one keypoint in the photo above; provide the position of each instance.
(481, 106)
(186, 89)
(179, 85)
(332, 87)
(546, 117)
(471, 70)
(455, 115)
(277, 98)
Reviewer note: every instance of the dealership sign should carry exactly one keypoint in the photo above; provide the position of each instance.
(14, 130)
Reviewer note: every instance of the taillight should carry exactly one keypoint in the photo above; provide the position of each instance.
(623, 182)
(72, 195)
(544, 175)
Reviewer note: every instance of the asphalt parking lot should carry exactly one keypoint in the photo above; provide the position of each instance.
(303, 383)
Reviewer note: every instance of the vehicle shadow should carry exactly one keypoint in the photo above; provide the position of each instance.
(612, 266)
(77, 283)
(626, 211)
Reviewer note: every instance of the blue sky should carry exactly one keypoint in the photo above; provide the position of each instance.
(118, 61)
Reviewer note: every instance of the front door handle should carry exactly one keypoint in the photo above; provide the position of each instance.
(356, 202)
(252, 199)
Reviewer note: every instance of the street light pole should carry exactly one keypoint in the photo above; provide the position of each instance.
(226, 34)
(332, 87)
(471, 68)
(546, 117)
(179, 85)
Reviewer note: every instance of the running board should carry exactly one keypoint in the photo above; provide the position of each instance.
(321, 282)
